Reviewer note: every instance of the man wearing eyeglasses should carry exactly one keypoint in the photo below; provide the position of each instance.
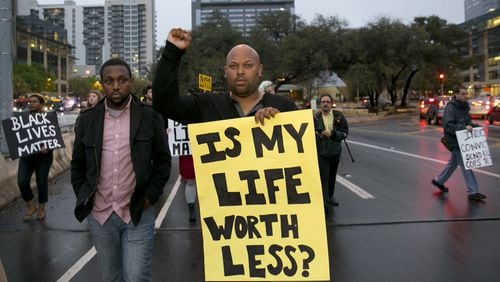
(331, 128)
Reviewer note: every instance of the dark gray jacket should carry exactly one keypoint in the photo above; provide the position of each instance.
(456, 117)
(149, 153)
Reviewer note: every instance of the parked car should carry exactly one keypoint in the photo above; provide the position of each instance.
(432, 109)
(382, 102)
(493, 115)
(479, 107)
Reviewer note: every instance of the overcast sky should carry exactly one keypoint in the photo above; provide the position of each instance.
(177, 13)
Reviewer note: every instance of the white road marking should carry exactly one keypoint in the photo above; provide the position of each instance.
(418, 157)
(163, 212)
(354, 188)
(77, 266)
(73, 270)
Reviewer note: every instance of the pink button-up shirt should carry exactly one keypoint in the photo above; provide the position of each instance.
(117, 176)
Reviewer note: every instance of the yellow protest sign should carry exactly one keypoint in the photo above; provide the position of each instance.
(261, 205)
(205, 82)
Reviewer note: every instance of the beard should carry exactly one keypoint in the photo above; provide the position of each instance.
(117, 102)
(242, 91)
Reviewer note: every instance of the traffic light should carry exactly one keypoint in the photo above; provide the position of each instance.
(441, 77)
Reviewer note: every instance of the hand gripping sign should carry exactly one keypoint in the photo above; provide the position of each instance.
(261, 204)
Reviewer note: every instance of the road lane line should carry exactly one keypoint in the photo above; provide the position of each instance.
(354, 188)
(163, 212)
(73, 270)
(418, 157)
(77, 266)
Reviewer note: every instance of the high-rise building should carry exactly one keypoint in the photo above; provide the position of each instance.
(131, 32)
(483, 41)
(476, 8)
(124, 28)
(241, 14)
(41, 42)
(93, 35)
(67, 16)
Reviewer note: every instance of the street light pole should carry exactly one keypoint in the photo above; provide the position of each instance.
(441, 79)
(6, 60)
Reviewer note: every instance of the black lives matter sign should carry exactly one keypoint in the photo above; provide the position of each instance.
(30, 133)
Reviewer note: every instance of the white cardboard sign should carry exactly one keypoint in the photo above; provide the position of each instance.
(474, 148)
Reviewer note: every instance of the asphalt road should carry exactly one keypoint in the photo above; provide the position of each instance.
(391, 225)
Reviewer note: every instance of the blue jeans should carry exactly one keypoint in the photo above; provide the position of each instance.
(449, 168)
(40, 164)
(124, 250)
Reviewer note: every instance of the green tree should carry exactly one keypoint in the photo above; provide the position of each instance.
(207, 53)
(32, 78)
(442, 48)
(80, 86)
(138, 85)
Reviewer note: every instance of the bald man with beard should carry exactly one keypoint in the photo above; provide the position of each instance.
(243, 72)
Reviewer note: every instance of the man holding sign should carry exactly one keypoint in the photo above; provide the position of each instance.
(456, 117)
(260, 199)
(243, 71)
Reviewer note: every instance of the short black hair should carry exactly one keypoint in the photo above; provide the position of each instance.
(457, 88)
(116, 62)
(146, 89)
(326, 95)
(39, 96)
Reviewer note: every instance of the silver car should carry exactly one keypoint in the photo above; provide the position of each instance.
(479, 107)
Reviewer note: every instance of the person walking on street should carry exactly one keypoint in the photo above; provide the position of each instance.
(38, 163)
(331, 128)
(119, 167)
(186, 170)
(457, 117)
(242, 71)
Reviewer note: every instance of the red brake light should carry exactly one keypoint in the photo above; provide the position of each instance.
(431, 100)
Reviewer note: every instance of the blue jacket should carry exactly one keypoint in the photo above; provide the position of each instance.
(149, 152)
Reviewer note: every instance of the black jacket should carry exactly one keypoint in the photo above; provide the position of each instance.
(197, 107)
(331, 146)
(149, 153)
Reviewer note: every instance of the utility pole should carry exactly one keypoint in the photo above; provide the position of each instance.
(6, 59)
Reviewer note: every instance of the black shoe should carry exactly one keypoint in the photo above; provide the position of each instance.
(331, 201)
(476, 197)
(440, 186)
